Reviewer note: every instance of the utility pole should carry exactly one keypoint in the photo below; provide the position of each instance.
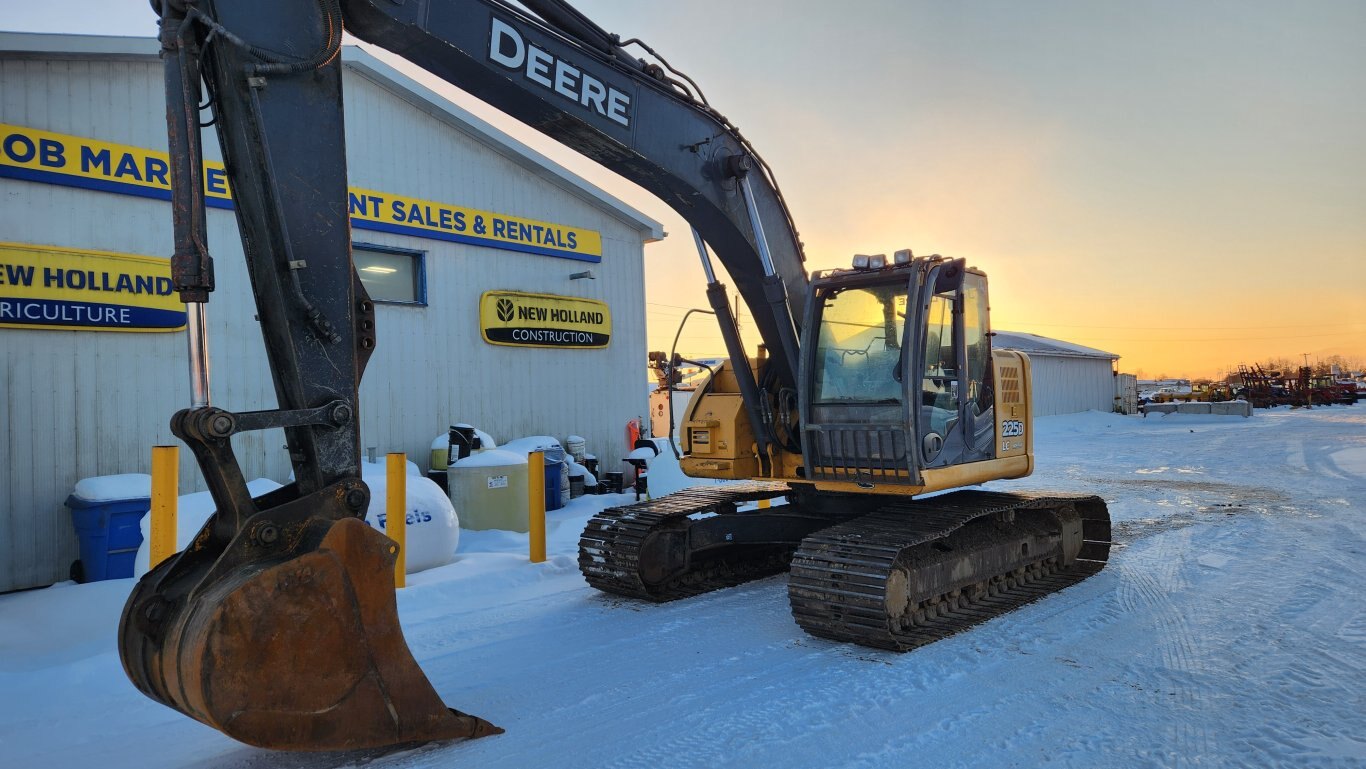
(1308, 382)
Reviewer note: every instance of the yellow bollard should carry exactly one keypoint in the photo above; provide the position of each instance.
(165, 496)
(536, 505)
(396, 512)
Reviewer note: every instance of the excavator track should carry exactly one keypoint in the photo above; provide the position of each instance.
(914, 572)
(617, 545)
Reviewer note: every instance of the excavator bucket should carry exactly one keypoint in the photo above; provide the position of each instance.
(300, 652)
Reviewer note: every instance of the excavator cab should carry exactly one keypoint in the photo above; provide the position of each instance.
(900, 364)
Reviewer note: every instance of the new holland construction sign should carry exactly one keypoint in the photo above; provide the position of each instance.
(543, 320)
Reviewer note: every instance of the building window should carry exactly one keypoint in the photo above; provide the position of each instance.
(391, 275)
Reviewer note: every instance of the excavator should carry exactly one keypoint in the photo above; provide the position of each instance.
(875, 387)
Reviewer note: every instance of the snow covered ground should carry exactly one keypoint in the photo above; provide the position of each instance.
(1228, 630)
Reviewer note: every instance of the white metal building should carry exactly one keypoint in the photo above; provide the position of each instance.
(1067, 377)
(81, 129)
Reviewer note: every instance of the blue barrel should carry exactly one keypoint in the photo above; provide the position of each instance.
(110, 533)
(552, 486)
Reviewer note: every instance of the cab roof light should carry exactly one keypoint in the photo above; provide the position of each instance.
(904, 256)
(877, 261)
(861, 261)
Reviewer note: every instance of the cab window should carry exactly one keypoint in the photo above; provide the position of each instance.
(978, 374)
(939, 381)
(858, 355)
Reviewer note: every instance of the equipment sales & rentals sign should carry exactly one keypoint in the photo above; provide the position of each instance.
(543, 320)
(63, 288)
(75, 161)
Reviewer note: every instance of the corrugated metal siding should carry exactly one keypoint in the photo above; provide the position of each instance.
(80, 404)
(445, 372)
(1065, 385)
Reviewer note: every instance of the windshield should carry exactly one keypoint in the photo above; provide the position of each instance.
(858, 350)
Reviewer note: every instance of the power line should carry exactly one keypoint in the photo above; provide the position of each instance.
(1226, 339)
(744, 309)
(1199, 327)
(675, 306)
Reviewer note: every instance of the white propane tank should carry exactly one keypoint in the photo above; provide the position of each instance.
(433, 527)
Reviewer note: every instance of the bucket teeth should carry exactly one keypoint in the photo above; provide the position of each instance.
(303, 652)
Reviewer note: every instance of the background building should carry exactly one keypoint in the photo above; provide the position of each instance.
(82, 149)
(1067, 377)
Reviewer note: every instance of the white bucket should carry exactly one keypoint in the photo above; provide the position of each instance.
(574, 444)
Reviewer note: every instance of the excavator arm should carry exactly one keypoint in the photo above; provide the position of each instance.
(277, 625)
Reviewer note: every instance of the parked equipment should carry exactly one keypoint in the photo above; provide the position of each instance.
(1305, 389)
(874, 385)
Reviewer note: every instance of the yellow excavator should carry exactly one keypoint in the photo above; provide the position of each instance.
(874, 387)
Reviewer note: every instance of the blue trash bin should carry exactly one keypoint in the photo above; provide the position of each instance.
(553, 490)
(110, 533)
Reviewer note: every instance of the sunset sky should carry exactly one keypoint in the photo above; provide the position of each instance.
(1183, 184)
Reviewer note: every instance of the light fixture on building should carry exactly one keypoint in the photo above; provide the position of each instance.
(379, 270)
(585, 274)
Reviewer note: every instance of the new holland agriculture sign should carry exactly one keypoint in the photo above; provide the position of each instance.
(74, 161)
(543, 320)
(63, 288)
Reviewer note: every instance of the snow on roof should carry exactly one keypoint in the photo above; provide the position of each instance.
(109, 47)
(1033, 344)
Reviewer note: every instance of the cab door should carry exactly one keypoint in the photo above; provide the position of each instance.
(954, 421)
(855, 398)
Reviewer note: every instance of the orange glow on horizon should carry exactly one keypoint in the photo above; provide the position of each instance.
(1188, 221)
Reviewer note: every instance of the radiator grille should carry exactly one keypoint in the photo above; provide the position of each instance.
(1010, 385)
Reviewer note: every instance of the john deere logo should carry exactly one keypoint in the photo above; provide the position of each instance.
(543, 320)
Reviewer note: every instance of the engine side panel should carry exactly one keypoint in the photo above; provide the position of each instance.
(1014, 406)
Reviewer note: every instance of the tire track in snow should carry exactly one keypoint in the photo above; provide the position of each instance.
(647, 645)
(1148, 582)
(1263, 663)
(1290, 668)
